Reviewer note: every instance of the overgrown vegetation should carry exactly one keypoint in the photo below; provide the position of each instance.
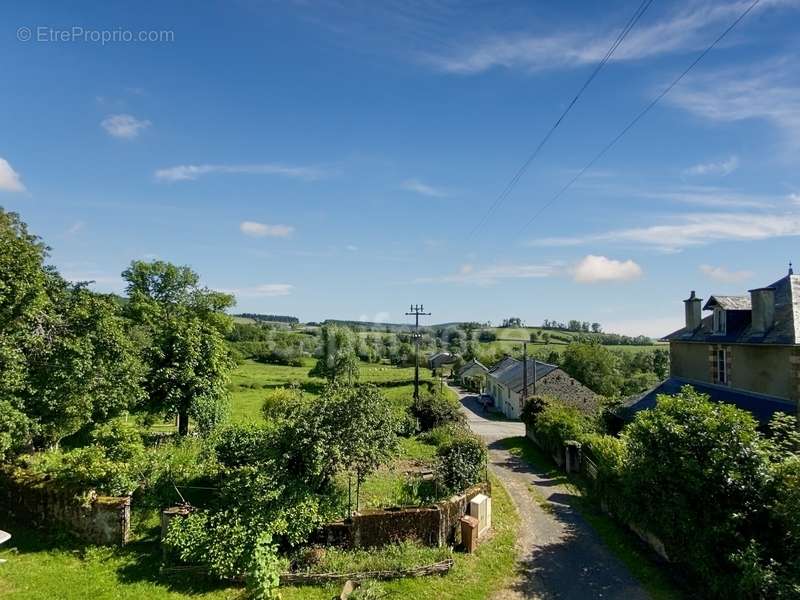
(719, 494)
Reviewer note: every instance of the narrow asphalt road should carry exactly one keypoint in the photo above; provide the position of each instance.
(559, 554)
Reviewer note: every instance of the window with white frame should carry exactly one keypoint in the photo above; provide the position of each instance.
(719, 321)
(722, 365)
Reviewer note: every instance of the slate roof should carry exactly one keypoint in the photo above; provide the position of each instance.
(473, 363)
(760, 406)
(728, 303)
(509, 373)
(785, 329)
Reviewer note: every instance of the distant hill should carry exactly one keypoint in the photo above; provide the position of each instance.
(257, 317)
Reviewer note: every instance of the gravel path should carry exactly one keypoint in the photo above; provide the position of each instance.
(559, 554)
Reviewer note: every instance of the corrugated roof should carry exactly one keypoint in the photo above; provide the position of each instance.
(761, 407)
(784, 330)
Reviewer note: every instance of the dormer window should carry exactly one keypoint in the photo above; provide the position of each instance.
(719, 321)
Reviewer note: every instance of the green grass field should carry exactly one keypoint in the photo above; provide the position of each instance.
(251, 380)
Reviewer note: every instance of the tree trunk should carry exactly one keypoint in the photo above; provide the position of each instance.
(183, 422)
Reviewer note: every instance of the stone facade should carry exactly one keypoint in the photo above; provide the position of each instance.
(104, 520)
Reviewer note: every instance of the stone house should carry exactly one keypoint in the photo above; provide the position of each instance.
(746, 352)
(505, 382)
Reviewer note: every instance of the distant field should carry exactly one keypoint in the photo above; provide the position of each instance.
(251, 380)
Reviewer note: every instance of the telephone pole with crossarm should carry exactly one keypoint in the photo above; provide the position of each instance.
(417, 311)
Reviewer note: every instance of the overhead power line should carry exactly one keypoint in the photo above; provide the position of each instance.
(521, 171)
(637, 118)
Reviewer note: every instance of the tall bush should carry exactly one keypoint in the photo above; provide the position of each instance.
(461, 462)
(695, 476)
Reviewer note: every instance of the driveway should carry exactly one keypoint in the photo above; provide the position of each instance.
(559, 554)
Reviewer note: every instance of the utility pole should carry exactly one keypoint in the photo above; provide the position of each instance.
(416, 311)
(524, 394)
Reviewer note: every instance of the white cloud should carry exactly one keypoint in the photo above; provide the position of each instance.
(189, 172)
(766, 91)
(124, 126)
(490, 275)
(9, 178)
(255, 229)
(685, 30)
(419, 187)
(723, 275)
(265, 290)
(351, 248)
(724, 167)
(692, 230)
(595, 269)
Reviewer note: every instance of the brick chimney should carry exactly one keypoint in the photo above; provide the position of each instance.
(693, 318)
(762, 301)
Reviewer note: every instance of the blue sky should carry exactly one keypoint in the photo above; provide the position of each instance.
(331, 159)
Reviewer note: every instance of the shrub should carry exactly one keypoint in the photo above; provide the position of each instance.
(278, 399)
(442, 434)
(16, 429)
(435, 408)
(557, 423)
(608, 453)
(461, 462)
(695, 476)
(120, 440)
(532, 409)
(84, 469)
(239, 445)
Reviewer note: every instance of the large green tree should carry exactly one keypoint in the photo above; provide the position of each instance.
(338, 360)
(82, 367)
(188, 362)
(66, 359)
(595, 366)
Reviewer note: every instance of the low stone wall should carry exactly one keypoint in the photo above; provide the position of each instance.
(105, 520)
(436, 525)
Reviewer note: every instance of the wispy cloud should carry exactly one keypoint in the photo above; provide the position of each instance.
(490, 275)
(686, 29)
(124, 126)
(723, 167)
(597, 269)
(75, 228)
(264, 290)
(10, 180)
(692, 230)
(255, 229)
(419, 187)
(766, 91)
(351, 248)
(694, 195)
(189, 172)
(723, 275)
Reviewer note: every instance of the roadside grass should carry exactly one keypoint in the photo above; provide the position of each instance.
(621, 542)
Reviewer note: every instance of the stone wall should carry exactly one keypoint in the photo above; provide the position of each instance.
(436, 525)
(103, 520)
